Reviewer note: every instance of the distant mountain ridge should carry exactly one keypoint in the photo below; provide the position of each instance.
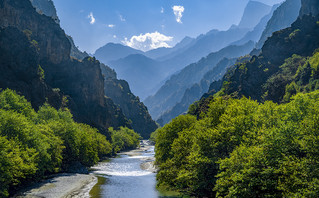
(174, 88)
(253, 13)
(282, 18)
(171, 60)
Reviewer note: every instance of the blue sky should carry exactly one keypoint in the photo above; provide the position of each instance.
(161, 23)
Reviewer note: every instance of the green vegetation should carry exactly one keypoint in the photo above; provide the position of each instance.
(124, 139)
(40, 72)
(242, 148)
(34, 144)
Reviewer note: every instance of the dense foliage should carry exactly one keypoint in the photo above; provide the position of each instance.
(241, 148)
(34, 144)
(124, 139)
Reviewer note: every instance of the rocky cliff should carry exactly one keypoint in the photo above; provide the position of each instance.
(82, 81)
(119, 91)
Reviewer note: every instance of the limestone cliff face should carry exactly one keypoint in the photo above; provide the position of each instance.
(309, 7)
(81, 81)
(51, 39)
(19, 69)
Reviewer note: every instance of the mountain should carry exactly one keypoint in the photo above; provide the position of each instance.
(114, 51)
(253, 13)
(240, 147)
(173, 89)
(194, 93)
(198, 89)
(166, 53)
(255, 34)
(78, 75)
(186, 52)
(36, 63)
(283, 68)
(141, 72)
(282, 18)
(132, 108)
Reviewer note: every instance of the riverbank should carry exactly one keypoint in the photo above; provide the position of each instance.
(68, 185)
(64, 185)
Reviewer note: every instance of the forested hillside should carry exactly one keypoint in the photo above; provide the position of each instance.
(257, 136)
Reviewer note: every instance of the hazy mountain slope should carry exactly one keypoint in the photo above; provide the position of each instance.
(141, 72)
(165, 53)
(253, 13)
(136, 69)
(197, 90)
(282, 18)
(215, 40)
(173, 90)
(255, 34)
(114, 51)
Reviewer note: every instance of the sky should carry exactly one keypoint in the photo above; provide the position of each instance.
(145, 24)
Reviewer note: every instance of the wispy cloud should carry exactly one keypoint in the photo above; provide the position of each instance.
(91, 17)
(111, 25)
(178, 12)
(162, 10)
(114, 36)
(122, 18)
(148, 41)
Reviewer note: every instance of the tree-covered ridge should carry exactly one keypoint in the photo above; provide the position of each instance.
(262, 75)
(35, 144)
(242, 148)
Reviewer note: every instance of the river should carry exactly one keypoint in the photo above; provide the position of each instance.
(131, 175)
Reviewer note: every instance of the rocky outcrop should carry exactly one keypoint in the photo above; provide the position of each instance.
(119, 91)
(81, 81)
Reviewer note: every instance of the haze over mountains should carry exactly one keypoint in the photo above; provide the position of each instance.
(156, 76)
(171, 60)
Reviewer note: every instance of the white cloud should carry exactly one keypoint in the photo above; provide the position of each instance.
(178, 12)
(91, 17)
(122, 18)
(111, 25)
(148, 41)
(162, 10)
(114, 36)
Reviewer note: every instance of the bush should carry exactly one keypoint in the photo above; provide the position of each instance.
(35, 144)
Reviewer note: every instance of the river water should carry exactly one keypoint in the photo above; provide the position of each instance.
(130, 175)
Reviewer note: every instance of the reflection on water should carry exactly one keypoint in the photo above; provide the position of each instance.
(125, 177)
